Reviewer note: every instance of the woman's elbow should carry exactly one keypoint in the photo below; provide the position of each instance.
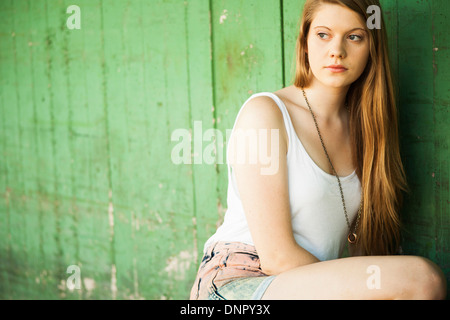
(270, 269)
(280, 264)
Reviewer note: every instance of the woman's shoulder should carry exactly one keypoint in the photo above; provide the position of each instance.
(261, 110)
(270, 104)
(261, 114)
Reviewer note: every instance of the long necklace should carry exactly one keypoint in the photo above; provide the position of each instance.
(351, 235)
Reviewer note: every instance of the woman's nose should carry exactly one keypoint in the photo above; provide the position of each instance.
(337, 49)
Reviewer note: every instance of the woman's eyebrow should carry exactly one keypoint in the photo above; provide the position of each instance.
(362, 29)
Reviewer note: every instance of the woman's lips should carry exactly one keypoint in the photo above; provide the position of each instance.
(336, 68)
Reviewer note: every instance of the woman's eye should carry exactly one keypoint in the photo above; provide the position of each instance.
(322, 35)
(355, 37)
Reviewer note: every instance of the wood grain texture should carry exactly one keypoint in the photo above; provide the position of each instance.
(86, 123)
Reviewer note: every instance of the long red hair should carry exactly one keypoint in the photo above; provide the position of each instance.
(374, 133)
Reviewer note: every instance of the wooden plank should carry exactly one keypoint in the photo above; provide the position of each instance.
(390, 15)
(141, 215)
(129, 184)
(18, 259)
(201, 105)
(26, 215)
(247, 58)
(146, 219)
(54, 42)
(292, 14)
(120, 172)
(441, 72)
(171, 191)
(165, 205)
(7, 90)
(92, 185)
(416, 118)
(44, 176)
(97, 214)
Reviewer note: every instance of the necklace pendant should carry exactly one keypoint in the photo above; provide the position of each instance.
(352, 237)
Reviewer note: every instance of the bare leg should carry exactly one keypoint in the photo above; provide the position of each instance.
(375, 277)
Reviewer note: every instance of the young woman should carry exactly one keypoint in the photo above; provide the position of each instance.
(338, 178)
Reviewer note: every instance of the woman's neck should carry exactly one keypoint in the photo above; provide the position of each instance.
(328, 103)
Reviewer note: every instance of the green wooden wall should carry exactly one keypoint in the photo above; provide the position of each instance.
(86, 122)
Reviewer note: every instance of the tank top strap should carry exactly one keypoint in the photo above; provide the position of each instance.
(287, 119)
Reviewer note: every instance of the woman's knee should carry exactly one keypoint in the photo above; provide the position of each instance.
(425, 280)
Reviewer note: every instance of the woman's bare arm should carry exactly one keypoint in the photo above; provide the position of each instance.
(265, 197)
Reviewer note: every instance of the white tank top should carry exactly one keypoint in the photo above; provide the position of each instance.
(318, 219)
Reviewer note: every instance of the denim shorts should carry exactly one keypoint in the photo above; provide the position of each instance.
(230, 271)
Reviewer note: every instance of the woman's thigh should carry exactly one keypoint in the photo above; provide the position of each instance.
(374, 277)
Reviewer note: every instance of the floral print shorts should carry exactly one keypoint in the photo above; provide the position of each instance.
(230, 271)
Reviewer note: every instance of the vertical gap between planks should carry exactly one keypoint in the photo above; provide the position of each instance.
(213, 93)
(188, 71)
(213, 71)
(56, 202)
(108, 150)
(282, 44)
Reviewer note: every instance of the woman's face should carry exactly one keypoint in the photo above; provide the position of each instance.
(338, 45)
